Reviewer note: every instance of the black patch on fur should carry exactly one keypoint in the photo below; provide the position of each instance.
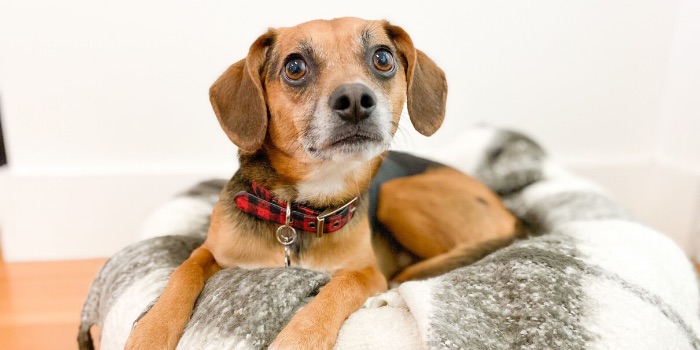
(395, 165)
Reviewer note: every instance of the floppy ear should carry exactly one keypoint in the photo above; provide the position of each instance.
(238, 97)
(426, 91)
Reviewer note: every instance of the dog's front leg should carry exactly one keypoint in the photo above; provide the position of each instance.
(162, 326)
(316, 325)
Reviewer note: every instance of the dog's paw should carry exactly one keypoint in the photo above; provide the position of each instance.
(391, 298)
(297, 336)
(148, 334)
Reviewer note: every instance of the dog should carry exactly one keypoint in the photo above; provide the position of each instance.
(313, 110)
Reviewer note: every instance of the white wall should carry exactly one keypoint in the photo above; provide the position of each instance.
(680, 123)
(680, 126)
(116, 94)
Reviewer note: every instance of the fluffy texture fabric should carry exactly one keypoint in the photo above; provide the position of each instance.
(588, 277)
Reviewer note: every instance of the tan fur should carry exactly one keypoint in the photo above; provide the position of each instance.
(238, 98)
(439, 214)
(225, 240)
(424, 80)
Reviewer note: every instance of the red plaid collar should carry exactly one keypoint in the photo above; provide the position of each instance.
(263, 205)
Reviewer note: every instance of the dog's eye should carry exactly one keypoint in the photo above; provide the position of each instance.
(383, 60)
(295, 69)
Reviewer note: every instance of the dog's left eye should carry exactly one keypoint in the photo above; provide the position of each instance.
(383, 60)
(295, 69)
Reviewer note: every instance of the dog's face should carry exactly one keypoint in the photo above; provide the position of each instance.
(329, 90)
(335, 87)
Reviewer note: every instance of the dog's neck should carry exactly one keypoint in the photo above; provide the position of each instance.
(318, 184)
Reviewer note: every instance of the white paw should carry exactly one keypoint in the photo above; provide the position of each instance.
(391, 298)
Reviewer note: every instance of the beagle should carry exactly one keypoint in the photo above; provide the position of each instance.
(313, 109)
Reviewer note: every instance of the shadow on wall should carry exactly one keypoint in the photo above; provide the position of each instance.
(3, 155)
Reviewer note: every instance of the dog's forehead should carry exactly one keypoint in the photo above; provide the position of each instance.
(348, 33)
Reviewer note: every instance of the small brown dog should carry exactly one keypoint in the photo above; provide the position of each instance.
(313, 109)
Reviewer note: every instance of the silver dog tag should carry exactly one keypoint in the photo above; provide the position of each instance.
(287, 235)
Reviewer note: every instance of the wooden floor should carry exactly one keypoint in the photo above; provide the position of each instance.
(40, 303)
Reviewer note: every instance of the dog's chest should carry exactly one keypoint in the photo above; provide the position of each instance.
(328, 181)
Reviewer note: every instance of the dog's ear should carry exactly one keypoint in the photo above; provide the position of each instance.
(426, 91)
(238, 97)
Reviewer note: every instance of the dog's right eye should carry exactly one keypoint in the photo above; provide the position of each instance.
(295, 69)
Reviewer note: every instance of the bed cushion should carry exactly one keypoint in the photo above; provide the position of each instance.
(588, 277)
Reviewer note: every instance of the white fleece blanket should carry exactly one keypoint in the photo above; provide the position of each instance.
(589, 277)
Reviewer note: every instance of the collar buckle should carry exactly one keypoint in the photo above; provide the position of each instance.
(321, 219)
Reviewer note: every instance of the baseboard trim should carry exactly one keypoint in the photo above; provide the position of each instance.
(80, 213)
(64, 215)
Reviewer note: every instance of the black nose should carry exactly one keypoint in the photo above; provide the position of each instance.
(352, 102)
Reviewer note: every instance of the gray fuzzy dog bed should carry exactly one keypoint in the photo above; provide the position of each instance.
(589, 277)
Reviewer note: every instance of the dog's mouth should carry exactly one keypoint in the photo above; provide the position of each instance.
(348, 141)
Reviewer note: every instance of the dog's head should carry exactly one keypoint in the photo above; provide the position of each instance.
(329, 90)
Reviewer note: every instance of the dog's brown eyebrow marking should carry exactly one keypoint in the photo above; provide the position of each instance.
(370, 39)
(366, 37)
(307, 50)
